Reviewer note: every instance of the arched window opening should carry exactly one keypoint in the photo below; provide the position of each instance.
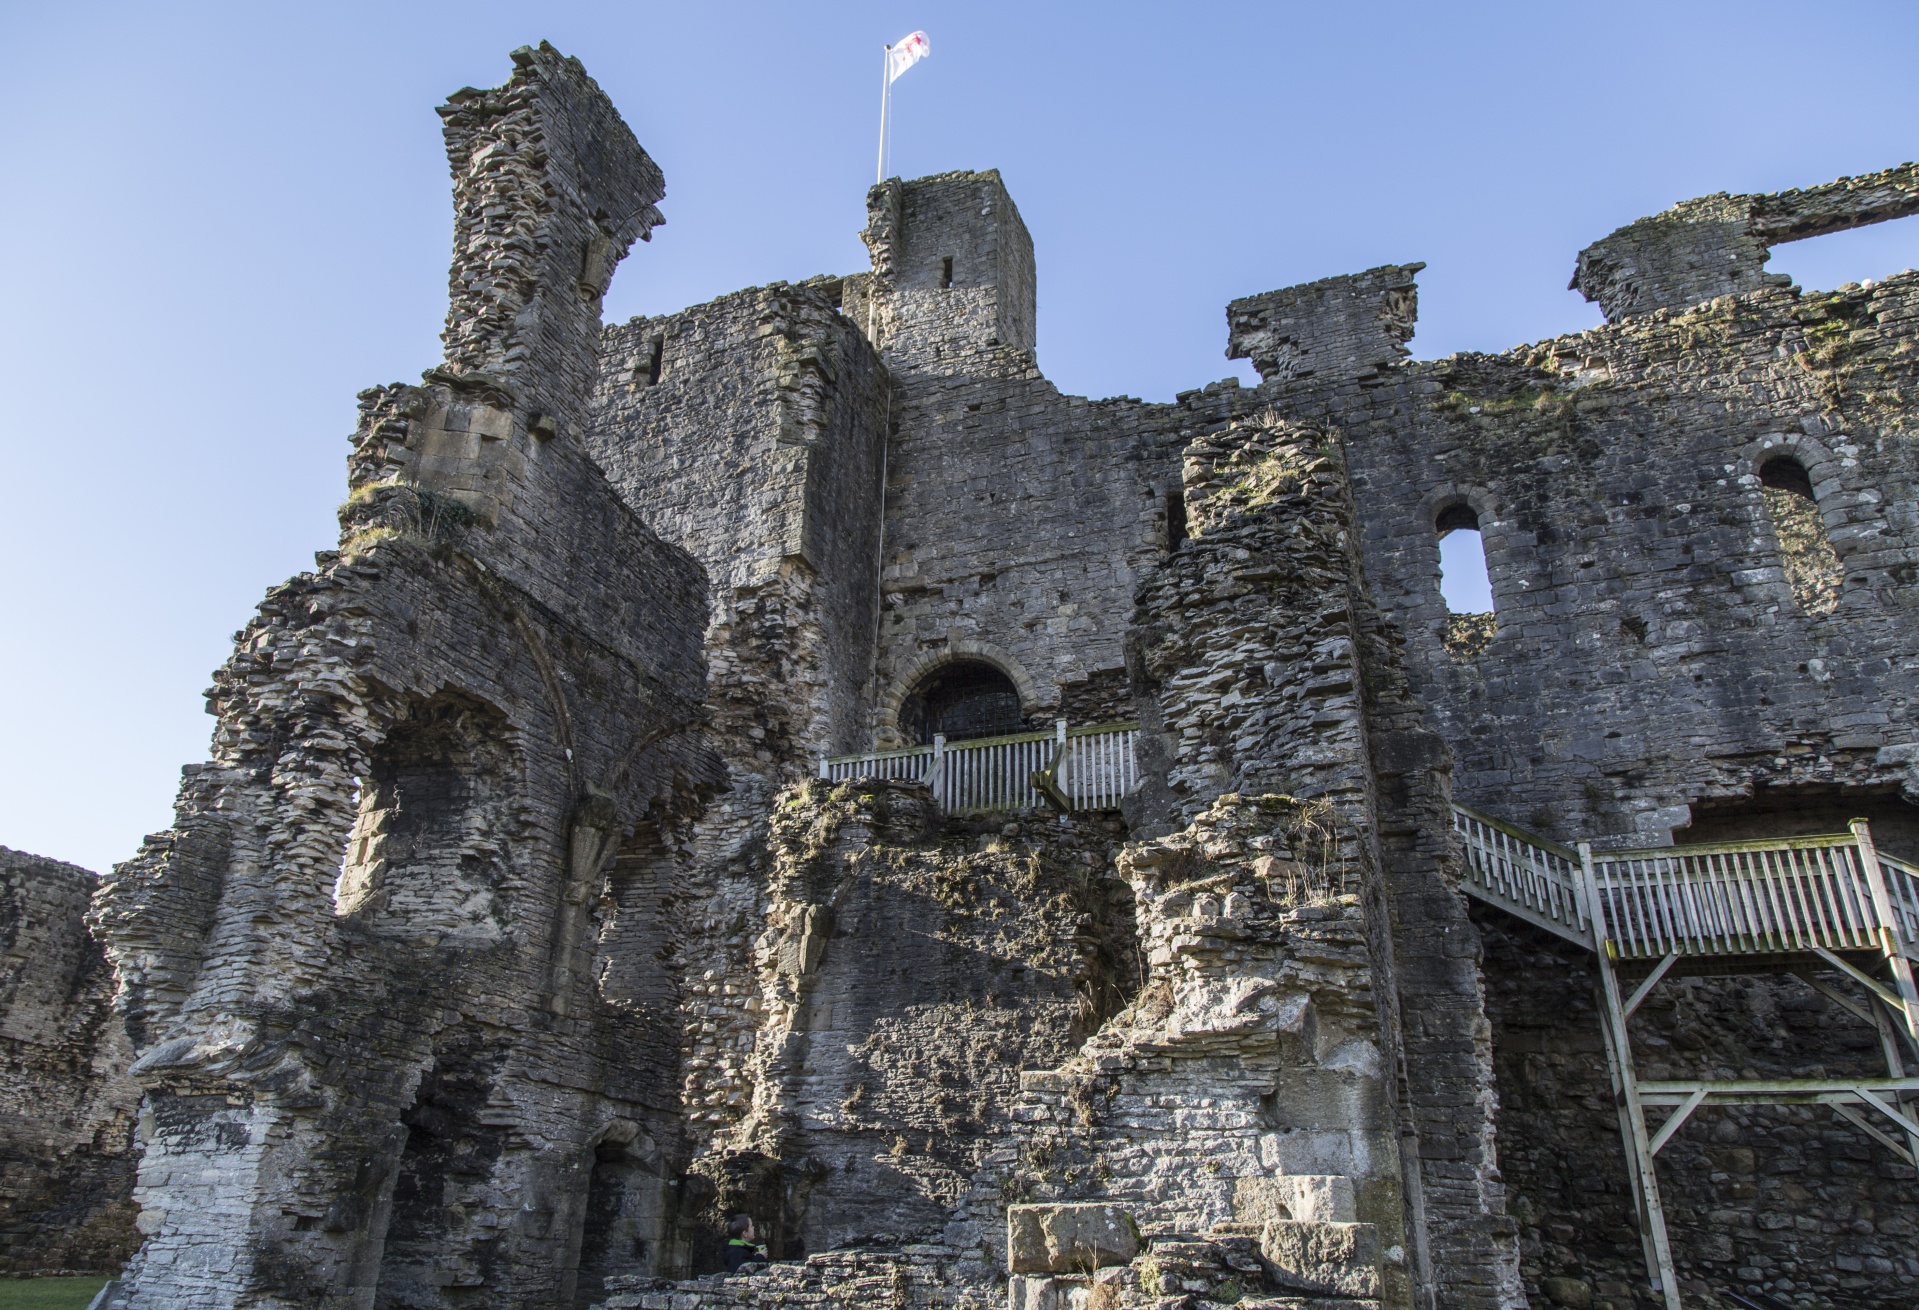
(424, 857)
(1464, 583)
(962, 700)
(1811, 564)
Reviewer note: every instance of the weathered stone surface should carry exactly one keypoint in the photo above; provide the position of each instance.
(1319, 1198)
(1070, 1238)
(1718, 245)
(1324, 1259)
(67, 1106)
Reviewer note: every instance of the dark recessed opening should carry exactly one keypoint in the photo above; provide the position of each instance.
(1175, 518)
(1786, 474)
(959, 701)
(1455, 517)
(654, 365)
(1804, 811)
(946, 271)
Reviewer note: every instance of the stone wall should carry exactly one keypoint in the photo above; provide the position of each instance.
(1018, 520)
(505, 945)
(908, 968)
(1260, 665)
(748, 432)
(1250, 1066)
(1651, 652)
(67, 1107)
(952, 274)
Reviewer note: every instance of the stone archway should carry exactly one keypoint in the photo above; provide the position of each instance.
(888, 730)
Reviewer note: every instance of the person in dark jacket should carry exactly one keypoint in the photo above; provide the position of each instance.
(741, 1243)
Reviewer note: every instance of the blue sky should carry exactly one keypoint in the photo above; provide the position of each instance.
(226, 219)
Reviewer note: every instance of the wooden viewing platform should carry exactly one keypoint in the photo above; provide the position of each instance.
(1790, 904)
(1069, 769)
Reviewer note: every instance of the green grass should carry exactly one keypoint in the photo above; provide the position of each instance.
(48, 1293)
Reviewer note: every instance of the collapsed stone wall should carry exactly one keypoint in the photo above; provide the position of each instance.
(1788, 1202)
(908, 967)
(67, 1106)
(1248, 1074)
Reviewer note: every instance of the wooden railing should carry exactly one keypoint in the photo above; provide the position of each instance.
(1748, 898)
(1088, 768)
(1524, 875)
(1772, 896)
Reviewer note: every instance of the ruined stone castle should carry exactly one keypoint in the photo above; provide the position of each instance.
(784, 758)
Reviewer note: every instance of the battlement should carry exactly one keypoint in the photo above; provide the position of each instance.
(1350, 326)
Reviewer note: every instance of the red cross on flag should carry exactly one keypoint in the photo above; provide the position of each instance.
(904, 53)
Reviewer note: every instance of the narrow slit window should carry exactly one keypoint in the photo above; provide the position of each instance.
(656, 362)
(1464, 584)
(946, 272)
(1805, 551)
(1175, 518)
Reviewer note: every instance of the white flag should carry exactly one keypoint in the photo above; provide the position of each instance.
(903, 55)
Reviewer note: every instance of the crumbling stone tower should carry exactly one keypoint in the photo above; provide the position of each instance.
(587, 852)
(356, 973)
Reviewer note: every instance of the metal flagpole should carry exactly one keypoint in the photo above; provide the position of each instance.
(885, 95)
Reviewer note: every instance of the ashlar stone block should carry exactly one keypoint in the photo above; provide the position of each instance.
(1324, 1259)
(1063, 1239)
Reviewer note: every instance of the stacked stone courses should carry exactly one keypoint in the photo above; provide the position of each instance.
(512, 939)
(67, 1106)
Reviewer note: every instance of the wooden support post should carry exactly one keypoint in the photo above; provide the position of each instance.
(1632, 1115)
(1895, 950)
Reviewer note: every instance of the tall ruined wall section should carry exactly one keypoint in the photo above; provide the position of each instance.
(748, 432)
(1651, 653)
(1678, 640)
(67, 1107)
(366, 975)
(1261, 667)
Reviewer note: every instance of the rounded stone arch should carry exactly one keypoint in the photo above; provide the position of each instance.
(1824, 469)
(1448, 496)
(1812, 555)
(887, 729)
